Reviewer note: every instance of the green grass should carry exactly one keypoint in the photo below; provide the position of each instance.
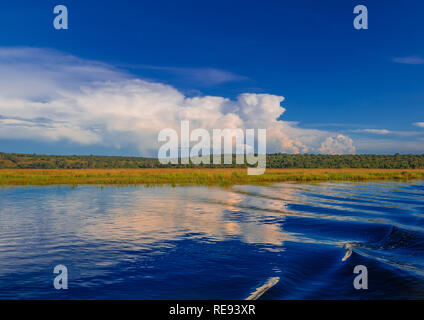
(15, 177)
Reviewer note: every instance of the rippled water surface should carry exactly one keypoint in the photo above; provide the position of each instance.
(213, 243)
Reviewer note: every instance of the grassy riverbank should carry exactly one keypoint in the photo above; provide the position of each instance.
(14, 177)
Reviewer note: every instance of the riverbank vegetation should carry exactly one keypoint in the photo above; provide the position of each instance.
(172, 176)
(34, 161)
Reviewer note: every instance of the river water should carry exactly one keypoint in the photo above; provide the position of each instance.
(213, 243)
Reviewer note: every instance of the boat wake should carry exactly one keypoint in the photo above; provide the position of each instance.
(264, 288)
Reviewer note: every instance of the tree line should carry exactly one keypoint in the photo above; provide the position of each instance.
(279, 160)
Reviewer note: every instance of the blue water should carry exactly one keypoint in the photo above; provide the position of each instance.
(213, 243)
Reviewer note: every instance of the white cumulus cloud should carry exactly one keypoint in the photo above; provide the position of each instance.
(46, 95)
(338, 145)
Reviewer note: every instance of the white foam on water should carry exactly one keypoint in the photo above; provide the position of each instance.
(264, 288)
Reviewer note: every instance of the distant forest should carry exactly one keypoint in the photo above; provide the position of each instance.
(34, 161)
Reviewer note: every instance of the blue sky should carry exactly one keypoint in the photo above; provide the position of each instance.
(366, 85)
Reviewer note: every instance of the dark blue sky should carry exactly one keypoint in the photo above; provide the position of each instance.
(332, 76)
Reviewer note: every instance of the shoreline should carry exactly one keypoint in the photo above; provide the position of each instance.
(195, 176)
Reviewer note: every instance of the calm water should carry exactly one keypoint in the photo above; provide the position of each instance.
(213, 243)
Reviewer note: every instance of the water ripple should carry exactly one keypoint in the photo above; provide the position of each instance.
(213, 243)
